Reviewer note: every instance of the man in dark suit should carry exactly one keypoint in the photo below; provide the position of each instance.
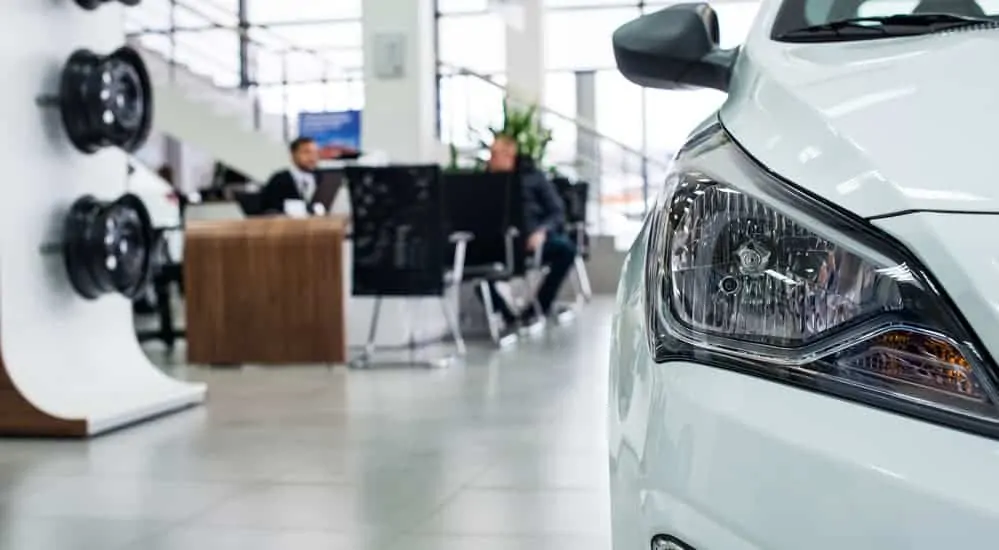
(544, 220)
(295, 183)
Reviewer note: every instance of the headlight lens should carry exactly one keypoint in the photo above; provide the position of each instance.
(741, 268)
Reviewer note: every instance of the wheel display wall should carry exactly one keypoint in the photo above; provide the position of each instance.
(68, 366)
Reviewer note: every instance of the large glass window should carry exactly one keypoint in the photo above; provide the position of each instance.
(619, 108)
(277, 11)
(581, 39)
(473, 105)
(473, 41)
(448, 7)
(316, 35)
(314, 47)
(671, 115)
(560, 96)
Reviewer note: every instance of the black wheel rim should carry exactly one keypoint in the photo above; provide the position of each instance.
(106, 101)
(77, 80)
(89, 4)
(141, 88)
(128, 245)
(81, 216)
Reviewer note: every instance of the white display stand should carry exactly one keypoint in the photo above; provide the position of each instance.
(68, 366)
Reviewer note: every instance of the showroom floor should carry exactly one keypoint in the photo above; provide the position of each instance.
(505, 452)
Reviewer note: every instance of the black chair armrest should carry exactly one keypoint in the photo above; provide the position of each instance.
(460, 239)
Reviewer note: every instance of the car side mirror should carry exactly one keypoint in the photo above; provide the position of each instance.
(675, 47)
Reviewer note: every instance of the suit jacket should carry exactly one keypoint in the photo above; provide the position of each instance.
(543, 207)
(279, 188)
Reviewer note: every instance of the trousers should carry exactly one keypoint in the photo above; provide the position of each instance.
(557, 254)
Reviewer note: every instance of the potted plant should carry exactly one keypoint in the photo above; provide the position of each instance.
(523, 124)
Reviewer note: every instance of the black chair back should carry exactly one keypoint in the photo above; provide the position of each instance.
(575, 197)
(478, 203)
(399, 240)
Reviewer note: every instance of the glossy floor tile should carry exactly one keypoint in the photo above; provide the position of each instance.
(505, 450)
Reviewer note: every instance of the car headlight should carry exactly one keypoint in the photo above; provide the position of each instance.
(745, 271)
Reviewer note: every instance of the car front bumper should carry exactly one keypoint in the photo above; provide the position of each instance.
(726, 461)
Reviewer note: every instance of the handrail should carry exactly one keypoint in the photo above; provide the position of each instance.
(579, 123)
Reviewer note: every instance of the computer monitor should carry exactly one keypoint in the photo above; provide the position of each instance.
(328, 184)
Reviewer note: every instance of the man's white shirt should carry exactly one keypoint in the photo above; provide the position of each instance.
(306, 183)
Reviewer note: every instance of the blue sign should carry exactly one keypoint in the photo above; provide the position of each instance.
(335, 132)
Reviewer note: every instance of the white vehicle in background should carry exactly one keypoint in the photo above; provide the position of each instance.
(162, 202)
(804, 345)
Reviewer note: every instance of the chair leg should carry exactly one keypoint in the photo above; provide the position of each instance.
(487, 301)
(532, 290)
(165, 311)
(369, 347)
(456, 301)
(583, 278)
(452, 325)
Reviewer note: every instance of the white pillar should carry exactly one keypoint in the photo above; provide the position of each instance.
(400, 104)
(525, 50)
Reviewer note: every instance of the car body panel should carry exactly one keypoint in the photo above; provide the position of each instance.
(962, 252)
(826, 116)
(728, 461)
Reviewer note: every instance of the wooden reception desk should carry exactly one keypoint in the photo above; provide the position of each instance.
(265, 291)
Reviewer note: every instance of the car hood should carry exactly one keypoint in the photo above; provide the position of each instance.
(961, 252)
(878, 126)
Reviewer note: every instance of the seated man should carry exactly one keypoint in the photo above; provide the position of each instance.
(297, 182)
(544, 222)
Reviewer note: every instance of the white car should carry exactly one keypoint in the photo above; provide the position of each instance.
(162, 202)
(806, 330)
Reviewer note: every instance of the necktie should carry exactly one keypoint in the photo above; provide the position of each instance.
(305, 188)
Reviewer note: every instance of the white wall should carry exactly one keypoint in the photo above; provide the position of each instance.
(195, 168)
(70, 357)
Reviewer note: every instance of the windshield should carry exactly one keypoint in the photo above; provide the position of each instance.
(799, 14)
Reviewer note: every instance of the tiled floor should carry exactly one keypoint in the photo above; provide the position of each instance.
(505, 452)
